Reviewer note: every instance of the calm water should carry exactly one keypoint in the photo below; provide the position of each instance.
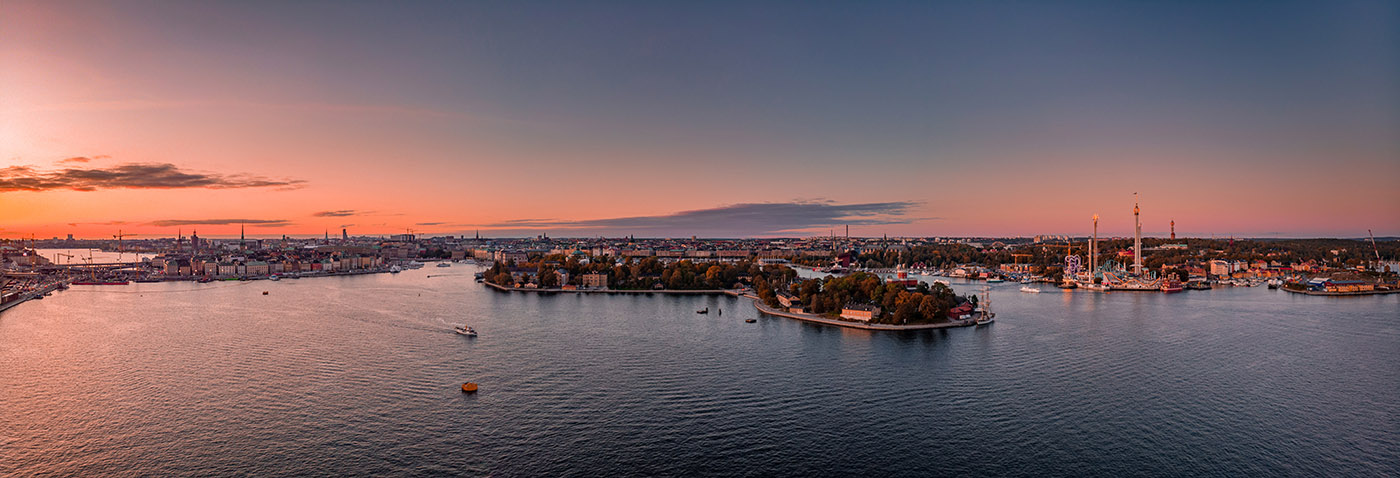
(360, 376)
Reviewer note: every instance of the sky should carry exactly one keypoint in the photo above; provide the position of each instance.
(710, 119)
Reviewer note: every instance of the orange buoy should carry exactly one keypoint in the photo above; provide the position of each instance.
(469, 387)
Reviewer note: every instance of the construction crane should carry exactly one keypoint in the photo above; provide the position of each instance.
(69, 256)
(1374, 248)
(119, 237)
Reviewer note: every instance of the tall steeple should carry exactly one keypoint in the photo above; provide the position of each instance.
(1173, 229)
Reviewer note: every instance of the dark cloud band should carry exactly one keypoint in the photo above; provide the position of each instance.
(130, 176)
(739, 220)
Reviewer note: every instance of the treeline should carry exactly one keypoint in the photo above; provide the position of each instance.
(631, 274)
(1043, 257)
(827, 296)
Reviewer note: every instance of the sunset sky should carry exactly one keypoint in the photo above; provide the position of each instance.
(1272, 119)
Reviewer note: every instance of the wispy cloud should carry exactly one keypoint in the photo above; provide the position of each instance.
(430, 223)
(338, 213)
(221, 222)
(80, 159)
(130, 176)
(738, 220)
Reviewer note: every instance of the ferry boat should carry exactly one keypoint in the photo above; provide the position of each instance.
(1171, 285)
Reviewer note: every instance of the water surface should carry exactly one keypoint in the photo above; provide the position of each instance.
(360, 375)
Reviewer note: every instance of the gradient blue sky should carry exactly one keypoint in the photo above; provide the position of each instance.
(961, 118)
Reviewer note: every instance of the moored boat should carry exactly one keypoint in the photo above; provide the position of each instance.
(1030, 290)
(1171, 285)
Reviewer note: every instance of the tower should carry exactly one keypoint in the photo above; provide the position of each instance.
(242, 241)
(1173, 229)
(344, 234)
(1137, 238)
(1094, 249)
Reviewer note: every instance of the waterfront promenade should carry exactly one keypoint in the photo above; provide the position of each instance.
(765, 309)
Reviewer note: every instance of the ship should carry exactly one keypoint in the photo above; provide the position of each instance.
(1171, 285)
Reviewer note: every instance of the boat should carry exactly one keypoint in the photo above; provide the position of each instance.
(1274, 283)
(1099, 287)
(101, 282)
(750, 321)
(987, 316)
(444, 264)
(205, 280)
(1068, 285)
(395, 269)
(1030, 290)
(1171, 285)
(465, 330)
(147, 280)
(264, 292)
(274, 277)
(995, 280)
(469, 387)
(703, 311)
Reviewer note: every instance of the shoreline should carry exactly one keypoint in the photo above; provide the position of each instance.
(612, 291)
(757, 304)
(53, 286)
(764, 309)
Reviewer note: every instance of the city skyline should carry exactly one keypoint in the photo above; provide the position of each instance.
(1243, 120)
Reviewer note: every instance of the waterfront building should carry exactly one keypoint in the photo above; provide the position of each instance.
(861, 312)
(594, 280)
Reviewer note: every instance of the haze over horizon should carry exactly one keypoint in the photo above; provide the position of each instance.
(1236, 119)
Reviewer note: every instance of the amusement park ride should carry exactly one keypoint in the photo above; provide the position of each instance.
(1109, 275)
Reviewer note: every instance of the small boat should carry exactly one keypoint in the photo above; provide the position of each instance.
(274, 277)
(750, 321)
(444, 264)
(995, 280)
(395, 269)
(469, 387)
(264, 292)
(1030, 290)
(465, 330)
(703, 311)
